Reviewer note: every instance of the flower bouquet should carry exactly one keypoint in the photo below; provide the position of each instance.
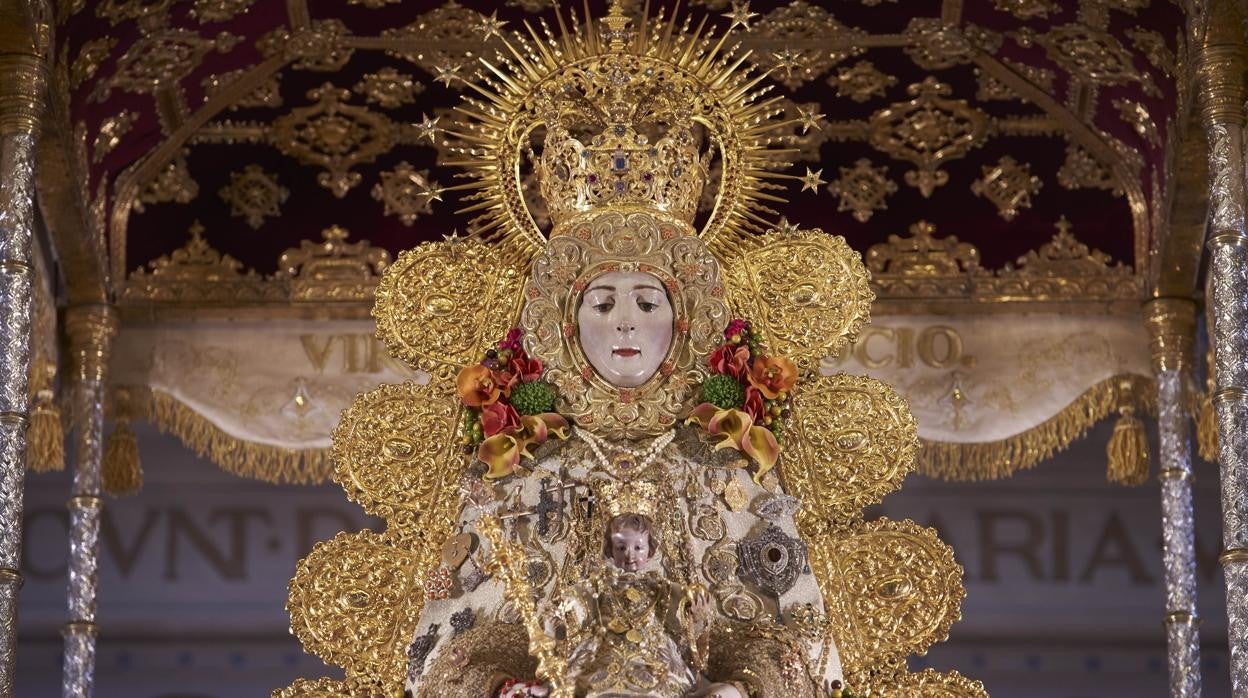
(745, 400)
(508, 408)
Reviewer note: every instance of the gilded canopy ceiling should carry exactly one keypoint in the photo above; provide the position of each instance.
(243, 151)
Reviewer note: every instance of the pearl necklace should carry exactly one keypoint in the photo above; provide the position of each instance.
(628, 460)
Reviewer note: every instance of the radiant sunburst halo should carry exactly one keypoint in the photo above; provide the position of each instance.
(572, 72)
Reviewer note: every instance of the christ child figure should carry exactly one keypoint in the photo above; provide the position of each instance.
(635, 633)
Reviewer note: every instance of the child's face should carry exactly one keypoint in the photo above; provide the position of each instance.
(630, 549)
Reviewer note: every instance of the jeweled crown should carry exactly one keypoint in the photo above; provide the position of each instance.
(636, 497)
(621, 167)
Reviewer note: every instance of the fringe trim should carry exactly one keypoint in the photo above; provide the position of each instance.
(995, 460)
(973, 461)
(243, 458)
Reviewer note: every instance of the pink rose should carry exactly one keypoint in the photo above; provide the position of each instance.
(731, 361)
(499, 418)
(754, 404)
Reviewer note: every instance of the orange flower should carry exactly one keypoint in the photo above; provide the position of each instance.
(502, 451)
(772, 375)
(476, 386)
(505, 380)
(731, 425)
(761, 445)
(737, 431)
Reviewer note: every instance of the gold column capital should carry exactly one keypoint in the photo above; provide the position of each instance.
(24, 43)
(1221, 64)
(91, 329)
(1171, 324)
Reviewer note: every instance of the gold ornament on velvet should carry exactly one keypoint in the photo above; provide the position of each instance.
(121, 472)
(1207, 419)
(1128, 446)
(45, 439)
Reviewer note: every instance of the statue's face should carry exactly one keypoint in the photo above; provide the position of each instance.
(630, 549)
(625, 326)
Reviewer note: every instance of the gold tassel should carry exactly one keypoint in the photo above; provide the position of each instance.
(1207, 430)
(45, 439)
(1206, 416)
(994, 460)
(1128, 451)
(122, 473)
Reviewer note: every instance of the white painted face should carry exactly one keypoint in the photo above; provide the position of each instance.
(630, 549)
(625, 326)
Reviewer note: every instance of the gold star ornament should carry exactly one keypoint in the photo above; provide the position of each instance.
(813, 180)
(740, 16)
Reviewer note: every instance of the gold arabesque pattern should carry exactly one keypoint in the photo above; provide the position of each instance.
(439, 303)
(395, 453)
(808, 291)
(895, 589)
(354, 602)
(930, 683)
(854, 441)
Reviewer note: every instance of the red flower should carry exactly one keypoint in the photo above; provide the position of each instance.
(505, 380)
(526, 368)
(514, 335)
(754, 403)
(730, 360)
(499, 417)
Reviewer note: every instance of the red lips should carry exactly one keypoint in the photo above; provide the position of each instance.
(626, 351)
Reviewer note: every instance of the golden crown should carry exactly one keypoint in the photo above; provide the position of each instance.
(621, 166)
(637, 497)
(625, 105)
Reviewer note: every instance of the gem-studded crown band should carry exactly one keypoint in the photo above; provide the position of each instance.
(637, 497)
(621, 167)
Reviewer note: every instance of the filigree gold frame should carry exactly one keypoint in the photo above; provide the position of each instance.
(624, 241)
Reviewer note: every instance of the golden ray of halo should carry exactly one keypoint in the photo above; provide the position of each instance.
(495, 123)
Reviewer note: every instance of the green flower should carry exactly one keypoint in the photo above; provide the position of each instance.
(724, 392)
(536, 397)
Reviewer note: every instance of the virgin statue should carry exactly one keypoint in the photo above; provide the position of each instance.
(625, 475)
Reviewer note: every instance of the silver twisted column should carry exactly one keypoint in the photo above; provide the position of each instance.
(22, 78)
(1172, 328)
(91, 329)
(1221, 70)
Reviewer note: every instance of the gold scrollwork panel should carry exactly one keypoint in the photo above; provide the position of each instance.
(930, 683)
(809, 292)
(319, 688)
(854, 440)
(395, 454)
(441, 304)
(354, 602)
(894, 586)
